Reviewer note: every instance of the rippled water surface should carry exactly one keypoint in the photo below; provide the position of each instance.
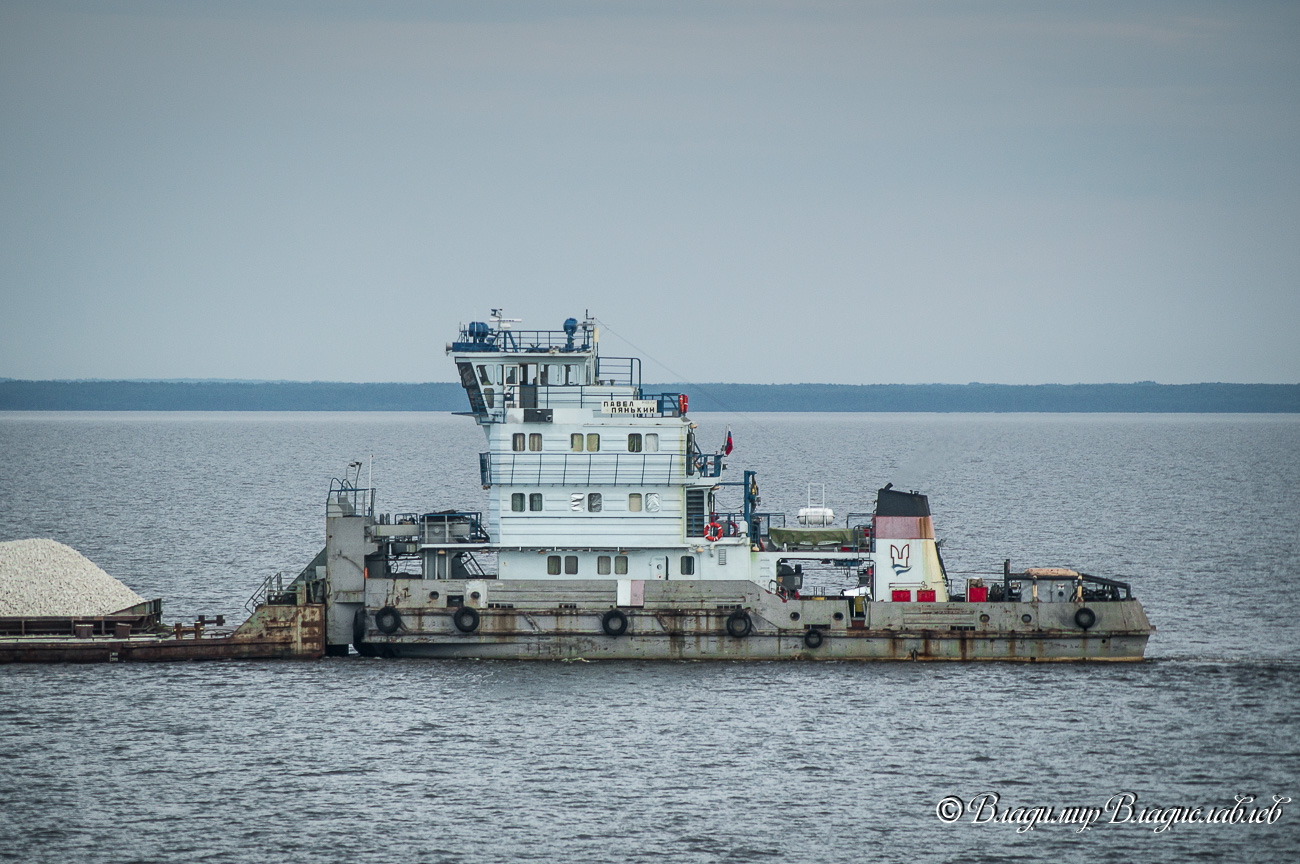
(372, 760)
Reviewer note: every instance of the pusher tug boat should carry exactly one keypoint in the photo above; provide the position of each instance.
(607, 541)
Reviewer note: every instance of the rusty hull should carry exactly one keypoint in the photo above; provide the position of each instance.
(271, 632)
(686, 620)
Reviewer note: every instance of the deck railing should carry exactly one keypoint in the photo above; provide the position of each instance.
(590, 469)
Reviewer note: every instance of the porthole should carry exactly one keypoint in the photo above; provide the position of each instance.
(794, 616)
(1026, 618)
(838, 616)
(433, 595)
(984, 619)
(474, 595)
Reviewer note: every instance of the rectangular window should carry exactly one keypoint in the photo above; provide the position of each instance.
(575, 501)
(535, 501)
(483, 375)
(512, 374)
(652, 442)
(688, 565)
(602, 565)
(553, 565)
(535, 441)
(634, 442)
(575, 442)
(652, 502)
(634, 502)
(593, 502)
(573, 373)
(570, 565)
(620, 565)
(545, 379)
(517, 442)
(517, 502)
(593, 442)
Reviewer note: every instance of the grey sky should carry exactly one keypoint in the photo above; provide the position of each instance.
(764, 192)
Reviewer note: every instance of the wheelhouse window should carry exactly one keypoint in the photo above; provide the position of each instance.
(593, 442)
(602, 565)
(594, 502)
(535, 501)
(688, 565)
(517, 442)
(517, 502)
(570, 565)
(535, 441)
(634, 502)
(553, 565)
(620, 565)
(652, 442)
(575, 442)
(634, 442)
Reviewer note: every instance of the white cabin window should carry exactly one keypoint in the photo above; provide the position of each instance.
(593, 442)
(594, 502)
(634, 442)
(512, 374)
(546, 375)
(574, 373)
(652, 502)
(575, 442)
(620, 565)
(488, 396)
(535, 501)
(483, 376)
(634, 502)
(652, 442)
(602, 565)
(553, 565)
(688, 565)
(535, 441)
(517, 502)
(571, 565)
(517, 442)
(575, 501)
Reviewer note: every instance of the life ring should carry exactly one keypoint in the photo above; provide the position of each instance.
(388, 620)
(713, 532)
(739, 624)
(1085, 617)
(466, 619)
(813, 638)
(614, 623)
(733, 530)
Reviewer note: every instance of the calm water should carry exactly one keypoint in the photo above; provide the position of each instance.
(371, 760)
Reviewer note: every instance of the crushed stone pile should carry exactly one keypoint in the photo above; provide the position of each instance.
(47, 578)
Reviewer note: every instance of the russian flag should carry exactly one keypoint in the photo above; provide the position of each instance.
(726, 448)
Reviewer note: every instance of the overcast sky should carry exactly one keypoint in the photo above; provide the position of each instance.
(855, 192)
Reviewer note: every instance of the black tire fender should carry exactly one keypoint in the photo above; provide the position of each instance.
(466, 619)
(739, 624)
(388, 620)
(1085, 617)
(813, 638)
(614, 623)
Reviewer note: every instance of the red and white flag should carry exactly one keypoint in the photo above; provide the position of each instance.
(726, 448)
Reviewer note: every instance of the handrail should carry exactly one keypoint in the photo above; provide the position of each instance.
(584, 469)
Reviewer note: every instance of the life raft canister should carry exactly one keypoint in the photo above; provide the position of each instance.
(713, 532)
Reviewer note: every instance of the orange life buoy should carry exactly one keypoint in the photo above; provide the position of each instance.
(713, 532)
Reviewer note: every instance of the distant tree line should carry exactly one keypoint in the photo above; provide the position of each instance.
(438, 396)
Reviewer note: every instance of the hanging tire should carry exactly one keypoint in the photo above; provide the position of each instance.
(614, 623)
(388, 620)
(739, 624)
(813, 638)
(466, 619)
(1085, 617)
(359, 629)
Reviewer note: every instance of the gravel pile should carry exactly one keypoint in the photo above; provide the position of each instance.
(44, 577)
